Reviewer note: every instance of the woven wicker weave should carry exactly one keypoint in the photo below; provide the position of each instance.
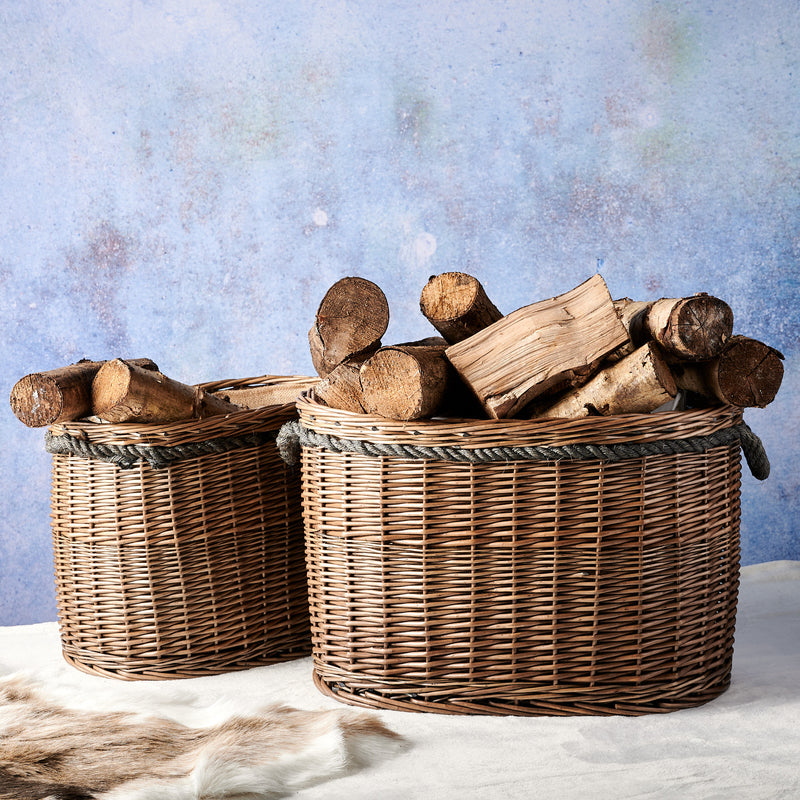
(522, 587)
(193, 569)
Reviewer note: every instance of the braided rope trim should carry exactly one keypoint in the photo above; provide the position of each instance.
(157, 456)
(293, 436)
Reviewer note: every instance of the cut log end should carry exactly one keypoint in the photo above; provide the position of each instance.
(750, 373)
(37, 400)
(350, 320)
(456, 305)
(695, 327)
(110, 393)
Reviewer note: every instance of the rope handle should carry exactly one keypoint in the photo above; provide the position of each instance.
(293, 436)
(157, 456)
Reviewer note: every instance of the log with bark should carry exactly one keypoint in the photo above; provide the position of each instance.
(125, 392)
(747, 373)
(60, 395)
(694, 328)
(457, 305)
(341, 387)
(413, 381)
(637, 384)
(539, 347)
(350, 321)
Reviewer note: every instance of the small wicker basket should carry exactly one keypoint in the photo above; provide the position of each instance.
(178, 548)
(521, 567)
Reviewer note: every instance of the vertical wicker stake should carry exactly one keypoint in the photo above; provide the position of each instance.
(538, 347)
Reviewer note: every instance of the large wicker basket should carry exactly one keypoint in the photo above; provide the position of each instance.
(179, 548)
(521, 567)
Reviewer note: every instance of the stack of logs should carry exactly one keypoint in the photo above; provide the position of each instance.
(116, 391)
(575, 355)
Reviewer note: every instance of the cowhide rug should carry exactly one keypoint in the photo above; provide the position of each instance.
(49, 750)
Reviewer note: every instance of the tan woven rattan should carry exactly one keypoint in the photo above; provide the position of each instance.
(522, 587)
(193, 569)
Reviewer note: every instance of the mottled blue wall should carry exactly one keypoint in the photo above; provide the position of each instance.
(185, 180)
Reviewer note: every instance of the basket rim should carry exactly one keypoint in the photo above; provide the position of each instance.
(482, 433)
(237, 423)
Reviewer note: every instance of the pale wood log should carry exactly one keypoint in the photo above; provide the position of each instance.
(268, 395)
(637, 384)
(538, 347)
(405, 382)
(350, 320)
(747, 373)
(456, 304)
(60, 395)
(124, 392)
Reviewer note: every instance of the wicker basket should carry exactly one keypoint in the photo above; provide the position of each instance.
(546, 582)
(185, 556)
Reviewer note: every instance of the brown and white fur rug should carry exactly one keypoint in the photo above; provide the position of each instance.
(54, 752)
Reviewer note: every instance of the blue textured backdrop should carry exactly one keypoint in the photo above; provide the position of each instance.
(185, 180)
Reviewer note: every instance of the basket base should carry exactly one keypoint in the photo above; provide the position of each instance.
(175, 671)
(530, 706)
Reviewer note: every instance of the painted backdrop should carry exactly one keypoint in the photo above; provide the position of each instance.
(184, 180)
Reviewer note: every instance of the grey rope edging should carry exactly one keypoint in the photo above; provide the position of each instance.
(157, 456)
(293, 436)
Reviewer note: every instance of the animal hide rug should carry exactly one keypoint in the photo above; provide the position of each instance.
(48, 750)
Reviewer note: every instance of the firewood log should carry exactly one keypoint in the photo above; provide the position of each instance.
(124, 392)
(637, 384)
(60, 395)
(341, 387)
(747, 373)
(456, 305)
(538, 347)
(277, 394)
(694, 328)
(406, 381)
(350, 320)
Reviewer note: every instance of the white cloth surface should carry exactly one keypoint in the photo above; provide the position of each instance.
(744, 744)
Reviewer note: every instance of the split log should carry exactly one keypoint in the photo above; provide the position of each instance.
(747, 373)
(638, 384)
(456, 305)
(60, 395)
(538, 347)
(406, 381)
(694, 328)
(124, 392)
(350, 321)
